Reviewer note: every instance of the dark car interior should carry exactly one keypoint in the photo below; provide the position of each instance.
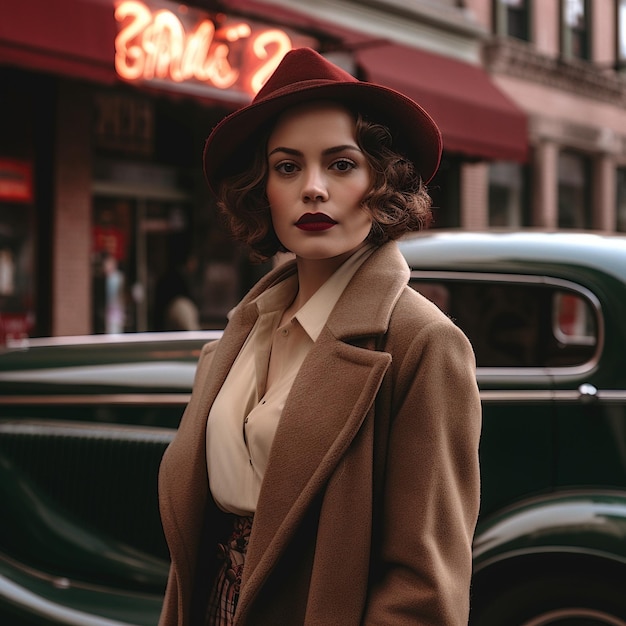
(517, 324)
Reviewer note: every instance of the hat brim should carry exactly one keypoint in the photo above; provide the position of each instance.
(231, 144)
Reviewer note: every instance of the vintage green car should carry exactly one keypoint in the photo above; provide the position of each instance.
(84, 422)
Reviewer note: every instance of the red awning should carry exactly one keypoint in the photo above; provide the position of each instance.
(475, 117)
(77, 37)
(74, 37)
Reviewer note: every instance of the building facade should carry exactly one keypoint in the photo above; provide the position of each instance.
(562, 62)
(106, 105)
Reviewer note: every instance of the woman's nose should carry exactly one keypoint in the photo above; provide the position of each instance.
(314, 189)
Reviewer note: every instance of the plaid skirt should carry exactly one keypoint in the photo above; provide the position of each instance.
(225, 592)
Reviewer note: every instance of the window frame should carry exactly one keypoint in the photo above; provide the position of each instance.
(501, 11)
(568, 32)
(518, 372)
(520, 193)
(586, 164)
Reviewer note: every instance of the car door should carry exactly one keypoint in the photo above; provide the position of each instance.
(524, 332)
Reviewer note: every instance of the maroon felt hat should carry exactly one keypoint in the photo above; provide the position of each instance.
(303, 76)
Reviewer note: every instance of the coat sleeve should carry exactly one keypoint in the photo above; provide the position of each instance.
(182, 485)
(423, 565)
(169, 611)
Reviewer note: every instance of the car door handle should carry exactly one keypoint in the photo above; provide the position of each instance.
(588, 393)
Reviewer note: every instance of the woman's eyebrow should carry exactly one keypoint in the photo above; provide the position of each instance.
(347, 146)
(286, 151)
(332, 150)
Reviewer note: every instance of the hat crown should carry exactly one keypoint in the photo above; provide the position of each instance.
(304, 75)
(302, 66)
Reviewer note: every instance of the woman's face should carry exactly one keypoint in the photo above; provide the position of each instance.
(317, 179)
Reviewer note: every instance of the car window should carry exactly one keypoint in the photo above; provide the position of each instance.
(518, 324)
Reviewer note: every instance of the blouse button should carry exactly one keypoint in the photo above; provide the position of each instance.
(284, 332)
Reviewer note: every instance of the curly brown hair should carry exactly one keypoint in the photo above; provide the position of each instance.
(398, 200)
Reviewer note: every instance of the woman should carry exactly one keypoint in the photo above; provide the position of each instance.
(329, 453)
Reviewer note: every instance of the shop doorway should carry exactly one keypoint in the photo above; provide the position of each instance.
(137, 241)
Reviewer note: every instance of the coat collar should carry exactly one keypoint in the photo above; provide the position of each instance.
(376, 285)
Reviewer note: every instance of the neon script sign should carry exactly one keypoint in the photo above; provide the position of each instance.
(157, 45)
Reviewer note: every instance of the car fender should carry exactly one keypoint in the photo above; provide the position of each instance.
(40, 531)
(29, 594)
(580, 523)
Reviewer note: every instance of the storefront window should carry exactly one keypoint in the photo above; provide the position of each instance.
(506, 194)
(160, 261)
(575, 29)
(162, 258)
(17, 251)
(621, 200)
(574, 189)
(512, 19)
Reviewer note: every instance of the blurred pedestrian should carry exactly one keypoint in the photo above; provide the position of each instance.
(174, 306)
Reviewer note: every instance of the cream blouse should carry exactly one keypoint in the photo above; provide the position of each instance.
(244, 417)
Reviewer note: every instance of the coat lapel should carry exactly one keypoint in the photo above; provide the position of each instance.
(319, 421)
(330, 398)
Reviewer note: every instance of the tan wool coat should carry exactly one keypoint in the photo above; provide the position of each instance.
(370, 499)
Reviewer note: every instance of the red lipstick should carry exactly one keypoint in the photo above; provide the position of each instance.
(315, 222)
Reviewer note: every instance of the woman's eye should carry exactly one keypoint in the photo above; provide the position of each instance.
(285, 167)
(343, 165)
